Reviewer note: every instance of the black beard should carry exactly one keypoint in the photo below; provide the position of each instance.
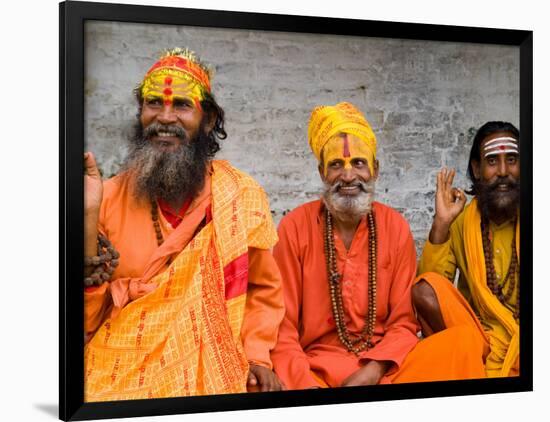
(495, 205)
(169, 175)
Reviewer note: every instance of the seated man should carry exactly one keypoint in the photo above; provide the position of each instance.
(183, 296)
(482, 241)
(347, 265)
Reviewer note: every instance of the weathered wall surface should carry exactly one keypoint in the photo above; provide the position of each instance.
(423, 99)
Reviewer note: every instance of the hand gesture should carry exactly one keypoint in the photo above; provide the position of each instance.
(93, 185)
(449, 201)
(263, 379)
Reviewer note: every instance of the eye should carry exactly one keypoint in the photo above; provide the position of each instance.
(491, 161)
(182, 103)
(359, 162)
(153, 102)
(335, 165)
(512, 159)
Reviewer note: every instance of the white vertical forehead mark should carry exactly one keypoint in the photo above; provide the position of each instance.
(501, 145)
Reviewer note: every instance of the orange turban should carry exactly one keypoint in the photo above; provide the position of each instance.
(327, 121)
(182, 63)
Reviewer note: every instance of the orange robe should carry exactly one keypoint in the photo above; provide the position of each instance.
(308, 352)
(308, 344)
(127, 223)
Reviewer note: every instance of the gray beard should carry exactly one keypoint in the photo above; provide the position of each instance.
(169, 175)
(349, 208)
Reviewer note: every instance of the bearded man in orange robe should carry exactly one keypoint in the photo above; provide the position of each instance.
(182, 296)
(347, 265)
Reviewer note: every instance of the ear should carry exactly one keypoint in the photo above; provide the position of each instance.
(321, 171)
(376, 169)
(210, 122)
(476, 169)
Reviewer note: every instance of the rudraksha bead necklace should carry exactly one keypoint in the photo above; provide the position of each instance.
(364, 340)
(156, 223)
(104, 262)
(504, 290)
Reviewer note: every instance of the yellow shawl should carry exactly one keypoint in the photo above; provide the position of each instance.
(183, 337)
(503, 330)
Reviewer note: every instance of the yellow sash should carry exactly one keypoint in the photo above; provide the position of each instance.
(183, 338)
(503, 331)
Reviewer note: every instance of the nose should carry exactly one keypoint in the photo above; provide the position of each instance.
(348, 175)
(167, 115)
(502, 166)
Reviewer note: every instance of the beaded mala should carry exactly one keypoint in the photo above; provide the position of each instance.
(156, 223)
(509, 282)
(107, 256)
(364, 341)
(104, 262)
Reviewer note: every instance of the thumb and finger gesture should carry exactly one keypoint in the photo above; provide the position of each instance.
(449, 201)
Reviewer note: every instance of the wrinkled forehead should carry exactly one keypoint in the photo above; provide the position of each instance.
(499, 143)
(345, 145)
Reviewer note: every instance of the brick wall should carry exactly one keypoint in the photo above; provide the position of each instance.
(424, 101)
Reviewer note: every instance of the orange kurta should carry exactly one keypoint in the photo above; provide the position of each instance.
(127, 223)
(308, 346)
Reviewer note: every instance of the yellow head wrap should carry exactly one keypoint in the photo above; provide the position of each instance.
(327, 121)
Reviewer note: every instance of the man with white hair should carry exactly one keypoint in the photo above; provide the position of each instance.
(347, 265)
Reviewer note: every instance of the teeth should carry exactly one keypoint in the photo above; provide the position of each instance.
(165, 134)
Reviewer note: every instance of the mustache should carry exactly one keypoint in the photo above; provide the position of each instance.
(502, 180)
(155, 128)
(366, 187)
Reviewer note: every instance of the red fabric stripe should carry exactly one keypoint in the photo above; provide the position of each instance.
(346, 146)
(236, 277)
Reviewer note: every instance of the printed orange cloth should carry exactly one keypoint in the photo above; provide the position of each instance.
(458, 352)
(308, 347)
(176, 328)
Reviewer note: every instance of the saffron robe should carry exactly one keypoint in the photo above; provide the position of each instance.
(185, 318)
(464, 250)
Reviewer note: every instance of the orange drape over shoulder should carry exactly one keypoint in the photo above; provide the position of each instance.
(174, 323)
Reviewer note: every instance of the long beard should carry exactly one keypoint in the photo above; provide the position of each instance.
(349, 208)
(494, 204)
(168, 175)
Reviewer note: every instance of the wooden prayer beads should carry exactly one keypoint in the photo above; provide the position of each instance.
(364, 341)
(504, 290)
(104, 262)
(156, 224)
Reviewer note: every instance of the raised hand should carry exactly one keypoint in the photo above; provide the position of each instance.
(93, 194)
(93, 185)
(449, 203)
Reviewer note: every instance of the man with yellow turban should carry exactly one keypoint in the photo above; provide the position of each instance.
(347, 265)
(480, 239)
(182, 296)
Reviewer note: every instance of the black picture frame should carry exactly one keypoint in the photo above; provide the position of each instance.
(72, 17)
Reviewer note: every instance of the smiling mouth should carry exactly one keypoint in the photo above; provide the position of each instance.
(503, 188)
(165, 139)
(348, 190)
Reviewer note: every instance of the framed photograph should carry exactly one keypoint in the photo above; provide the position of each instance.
(424, 90)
